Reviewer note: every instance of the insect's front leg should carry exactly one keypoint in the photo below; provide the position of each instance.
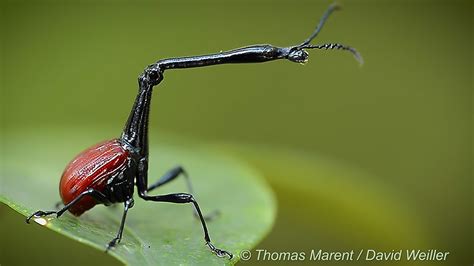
(142, 186)
(172, 175)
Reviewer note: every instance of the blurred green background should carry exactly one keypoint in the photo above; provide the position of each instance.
(399, 127)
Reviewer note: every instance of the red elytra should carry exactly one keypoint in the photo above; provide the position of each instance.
(91, 169)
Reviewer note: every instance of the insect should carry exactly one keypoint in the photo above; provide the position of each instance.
(108, 172)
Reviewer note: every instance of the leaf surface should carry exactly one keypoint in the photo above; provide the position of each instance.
(155, 233)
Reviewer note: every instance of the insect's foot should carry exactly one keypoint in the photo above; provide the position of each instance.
(219, 252)
(39, 214)
(112, 244)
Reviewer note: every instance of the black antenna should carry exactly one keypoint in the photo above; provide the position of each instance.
(323, 19)
(337, 46)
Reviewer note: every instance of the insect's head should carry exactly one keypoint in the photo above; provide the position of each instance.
(298, 55)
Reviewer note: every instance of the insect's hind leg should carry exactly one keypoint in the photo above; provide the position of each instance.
(173, 174)
(97, 195)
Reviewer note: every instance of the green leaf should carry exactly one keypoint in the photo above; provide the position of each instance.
(155, 233)
(321, 195)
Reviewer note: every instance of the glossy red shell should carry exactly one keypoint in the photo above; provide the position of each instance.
(91, 169)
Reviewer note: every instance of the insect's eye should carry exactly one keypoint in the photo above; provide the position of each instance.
(298, 56)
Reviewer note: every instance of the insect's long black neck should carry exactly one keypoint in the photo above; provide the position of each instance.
(135, 132)
(136, 129)
(250, 54)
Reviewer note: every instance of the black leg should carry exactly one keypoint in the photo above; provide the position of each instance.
(127, 205)
(91, 192)
(188, 198)
(173, 174)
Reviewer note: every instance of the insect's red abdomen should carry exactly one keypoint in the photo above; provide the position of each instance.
(91, 169)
